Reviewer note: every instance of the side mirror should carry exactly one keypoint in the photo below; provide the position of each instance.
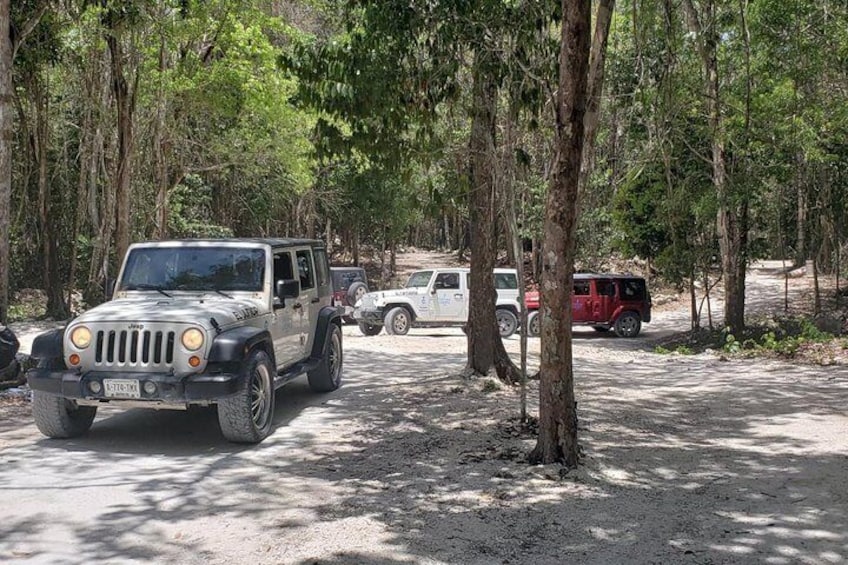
(288, 288)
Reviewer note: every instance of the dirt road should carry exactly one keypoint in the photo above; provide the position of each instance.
(687, 460)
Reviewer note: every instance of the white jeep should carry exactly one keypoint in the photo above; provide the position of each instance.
(195, 322)
(435, 298)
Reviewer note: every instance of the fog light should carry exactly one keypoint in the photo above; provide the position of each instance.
(149, 387)
(194, 361)
(74, 359)
(95, 387)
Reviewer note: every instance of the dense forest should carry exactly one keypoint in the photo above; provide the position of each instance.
(715, 131)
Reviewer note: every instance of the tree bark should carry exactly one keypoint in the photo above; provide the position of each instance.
(51, 280)
(597, 60)
(557, 408)
(125, 105)
(485, 347)
(160, 149)
(6, 134)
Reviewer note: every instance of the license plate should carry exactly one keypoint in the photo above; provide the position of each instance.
(123, 388)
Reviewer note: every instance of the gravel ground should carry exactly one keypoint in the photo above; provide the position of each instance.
(688, 459)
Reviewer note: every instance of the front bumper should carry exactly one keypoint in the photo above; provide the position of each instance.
(369, 316)
(199, 388)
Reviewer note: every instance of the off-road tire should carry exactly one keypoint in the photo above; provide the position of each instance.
(327, 376)
(397, 321)
(60, 418)
(628, 325)
(370, 329)
(247, 416)
(355, 291)
(534, 324)
(507, 322)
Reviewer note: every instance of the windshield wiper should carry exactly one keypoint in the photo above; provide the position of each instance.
(145, 286)
(222, 293)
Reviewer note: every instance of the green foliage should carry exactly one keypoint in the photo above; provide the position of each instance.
(191, 211)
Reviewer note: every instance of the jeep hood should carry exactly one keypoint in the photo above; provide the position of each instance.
(188, 310)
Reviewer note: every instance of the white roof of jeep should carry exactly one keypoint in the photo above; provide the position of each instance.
(232, 242)
(464, 270)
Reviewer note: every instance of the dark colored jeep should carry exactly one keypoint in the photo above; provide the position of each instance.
(618, 302)
(349, 285)
(195, 322)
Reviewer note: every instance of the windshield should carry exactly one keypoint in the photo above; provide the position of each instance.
(194, 268)
(419, 279)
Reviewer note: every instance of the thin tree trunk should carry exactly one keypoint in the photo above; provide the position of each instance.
(557, 407)
(597, 60)
(125, 105)
(159, 149)
(6, 135)
(732, 217)
(485, 347)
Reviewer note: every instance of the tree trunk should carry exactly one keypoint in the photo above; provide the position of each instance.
(557, 407)
(732, 217)
(595, 87)
(160, 151)
(485, 347)
(125, 104)
(6, 135)
(48, 226)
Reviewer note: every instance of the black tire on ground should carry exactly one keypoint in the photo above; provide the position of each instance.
(247, 416)
(397, 321)
(59, 417)
(355, 291)
(370, 329)
(327, 376)
(507, 322)
(534, 324)
(628, 325)
(602, 329)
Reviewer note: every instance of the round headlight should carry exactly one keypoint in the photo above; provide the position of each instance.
(192, 339)
(81, 337)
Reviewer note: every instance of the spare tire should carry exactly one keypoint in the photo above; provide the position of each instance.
(355, 291)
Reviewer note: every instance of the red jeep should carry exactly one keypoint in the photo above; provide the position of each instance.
(619, 302)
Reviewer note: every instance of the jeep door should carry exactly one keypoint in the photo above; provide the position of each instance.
(285, 324)
(603, 300)
(581, 301)
(448, 298)
(309, 300)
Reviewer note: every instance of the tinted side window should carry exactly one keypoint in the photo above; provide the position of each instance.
(304, 270)
(506, 281)
(632, 289)
(605, 288)
(581, 288)
(283, 266)
(447, 281)
(321, 268)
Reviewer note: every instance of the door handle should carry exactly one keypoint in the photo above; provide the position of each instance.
(315, 300)
(458, 296)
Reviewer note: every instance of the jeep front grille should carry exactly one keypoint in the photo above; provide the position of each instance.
(134, 348)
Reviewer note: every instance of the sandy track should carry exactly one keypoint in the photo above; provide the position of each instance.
(687, 460)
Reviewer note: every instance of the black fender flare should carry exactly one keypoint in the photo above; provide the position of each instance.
(49, 346)
(233, 346)
(327, 315)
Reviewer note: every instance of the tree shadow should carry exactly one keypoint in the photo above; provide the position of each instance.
(686, 459)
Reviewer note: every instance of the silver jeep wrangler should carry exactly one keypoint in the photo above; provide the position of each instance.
(195, 322)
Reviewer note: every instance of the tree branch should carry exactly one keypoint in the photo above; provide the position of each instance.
(28, 28)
